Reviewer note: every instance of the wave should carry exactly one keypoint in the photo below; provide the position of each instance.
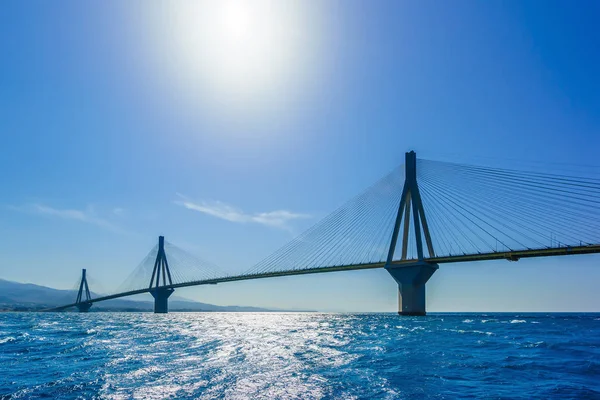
(7, 340)
(264, 356)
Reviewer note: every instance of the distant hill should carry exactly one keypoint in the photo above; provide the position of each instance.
(16, 296)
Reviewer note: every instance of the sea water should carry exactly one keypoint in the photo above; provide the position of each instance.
(298, 356)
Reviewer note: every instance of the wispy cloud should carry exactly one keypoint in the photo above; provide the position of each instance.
(218, 209)
(88, 216)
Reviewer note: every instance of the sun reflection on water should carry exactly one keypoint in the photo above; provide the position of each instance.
(295, 356)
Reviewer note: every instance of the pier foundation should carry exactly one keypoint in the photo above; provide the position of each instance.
(161, 300)
(84, 307)
(411, 281)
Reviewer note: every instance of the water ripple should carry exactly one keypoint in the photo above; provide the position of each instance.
(298, 356)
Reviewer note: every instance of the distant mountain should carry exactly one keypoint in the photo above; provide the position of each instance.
(16, 296)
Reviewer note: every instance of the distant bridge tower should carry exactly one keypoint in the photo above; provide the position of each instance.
(411, 278)
(161, 292)
(84, 290)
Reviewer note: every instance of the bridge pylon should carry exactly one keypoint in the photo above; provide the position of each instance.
(161, 291)
(83, 296)
(411, 278)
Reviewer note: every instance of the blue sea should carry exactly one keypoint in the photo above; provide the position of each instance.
(298, 356)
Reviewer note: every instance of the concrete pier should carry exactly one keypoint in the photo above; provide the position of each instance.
(411, 281)
(84, 307)
(161, 300)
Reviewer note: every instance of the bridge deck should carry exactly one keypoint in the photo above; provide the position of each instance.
(510, 255)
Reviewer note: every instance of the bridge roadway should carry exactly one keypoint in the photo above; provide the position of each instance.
(510, 255)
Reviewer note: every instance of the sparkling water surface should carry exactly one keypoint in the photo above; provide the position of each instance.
(298, 356)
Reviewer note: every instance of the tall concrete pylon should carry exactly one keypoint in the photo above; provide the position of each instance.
(411, 278)
(84, 290)
(161, 269)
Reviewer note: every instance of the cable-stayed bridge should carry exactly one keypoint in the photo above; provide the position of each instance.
(422, 214)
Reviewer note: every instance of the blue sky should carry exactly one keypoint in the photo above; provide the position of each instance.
(114, 115)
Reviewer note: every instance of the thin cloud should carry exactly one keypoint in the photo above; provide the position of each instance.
(218, 209)
(87, 216)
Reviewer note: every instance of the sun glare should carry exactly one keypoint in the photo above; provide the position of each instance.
(236, 51)
(235, 20)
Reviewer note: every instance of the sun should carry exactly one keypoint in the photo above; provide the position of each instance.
(236, 50)
(236, 20)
